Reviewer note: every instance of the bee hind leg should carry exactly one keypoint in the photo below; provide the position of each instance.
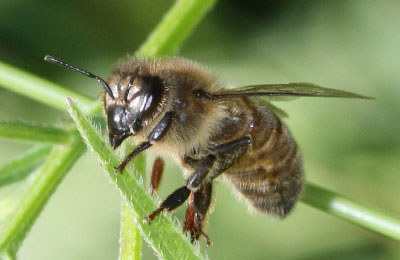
(199, 204)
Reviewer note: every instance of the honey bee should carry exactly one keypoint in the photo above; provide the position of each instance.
(176, 107)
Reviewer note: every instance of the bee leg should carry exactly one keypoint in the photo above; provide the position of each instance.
(174, 200)
(140, 148)
(197, 178)
(199, 202)
(179, 196)
(233, 146)
(156, 174)
(156, 134)
(227, 154)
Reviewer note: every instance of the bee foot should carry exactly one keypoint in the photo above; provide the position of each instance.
(207, 238)
(155, 213)
(120, 168)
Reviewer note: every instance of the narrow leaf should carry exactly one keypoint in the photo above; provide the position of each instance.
(39, 89)
(130, 239)
(38, 190)
(33, 132)
(351, 211)
(21, 166)
(162, 234)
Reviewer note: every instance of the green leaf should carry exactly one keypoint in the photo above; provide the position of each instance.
(351, 211)
(130, 239)
(39, 89)
(21, 166)
(38, 190)
(175, 27)
(162, 234)
(33, 132)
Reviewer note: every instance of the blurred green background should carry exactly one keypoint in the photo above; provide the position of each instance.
(349, 146)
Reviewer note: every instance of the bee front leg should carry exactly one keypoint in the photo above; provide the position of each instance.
(158, 132)
(199, 203)
(140, 148)
(179, 196)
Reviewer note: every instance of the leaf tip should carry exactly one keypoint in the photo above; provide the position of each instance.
(68, 100)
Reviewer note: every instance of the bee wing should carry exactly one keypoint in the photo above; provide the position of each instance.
(285, 90)
(279, 112)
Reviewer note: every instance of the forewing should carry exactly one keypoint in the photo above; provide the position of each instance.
(279, 112)
(286, 90)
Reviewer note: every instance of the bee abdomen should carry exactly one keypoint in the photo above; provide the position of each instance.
(276, 198)
(270, 176)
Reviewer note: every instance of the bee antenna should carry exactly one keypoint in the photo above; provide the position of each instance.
(84, 72)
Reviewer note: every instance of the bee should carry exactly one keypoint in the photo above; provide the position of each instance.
(175, 107)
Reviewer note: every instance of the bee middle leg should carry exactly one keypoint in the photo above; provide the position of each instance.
(225, 155)
(179, 196)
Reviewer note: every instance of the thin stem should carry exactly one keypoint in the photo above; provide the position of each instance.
(130, 239)
(175, 27)
(39, 89)
(351, 211)
(33, 133)
(162, 234)
(38, 192)
(20, 167)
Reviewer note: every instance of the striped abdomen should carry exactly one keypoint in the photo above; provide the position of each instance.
(269, 174)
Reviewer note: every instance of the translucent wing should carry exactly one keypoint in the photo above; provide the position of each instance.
(284, 90)
(279, 112)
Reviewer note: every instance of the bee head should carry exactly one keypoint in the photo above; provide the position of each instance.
(132, 100)
(135, 100)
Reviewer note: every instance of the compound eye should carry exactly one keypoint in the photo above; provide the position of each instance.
(152, 91)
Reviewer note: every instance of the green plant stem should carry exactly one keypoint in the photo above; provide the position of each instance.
(39, 89)
(33, 133)
(162, 234)
(20, 167)
(351, 211)
(130, 239)
(175, 27)
(39, 189)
